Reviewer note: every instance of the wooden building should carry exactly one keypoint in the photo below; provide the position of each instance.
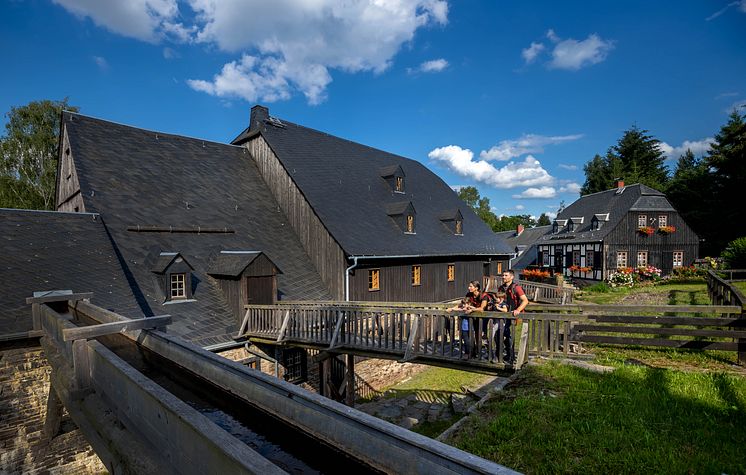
(628, 226)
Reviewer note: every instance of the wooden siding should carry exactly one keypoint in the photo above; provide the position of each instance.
(320, 246)
(396, 279)
(660, 247)
(260, 267)
(68, 187)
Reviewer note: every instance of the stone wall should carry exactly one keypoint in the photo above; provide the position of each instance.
(24, 387)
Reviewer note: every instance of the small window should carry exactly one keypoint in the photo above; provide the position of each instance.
(621, 259)
(555, 228)
(662, 220)
(678, 258)
(451, 272)
(571, 227)
(642, 258)
(399, 184)
(295, 363)
(576, 258)
(545, 258)
(416, 275)
(410, 224)
(178, 286)
(589, 258)
(374, 279)
(459, 227)
(642, 220)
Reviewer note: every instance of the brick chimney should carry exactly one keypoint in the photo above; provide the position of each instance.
(258, 115)
(620, 183)
(519, 230)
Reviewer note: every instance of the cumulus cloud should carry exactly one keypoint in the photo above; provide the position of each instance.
(572, 54)
(566, 166)
(295, 44)
(571, 187)
(433, 66)
(543, 192)
(527, 143)
(529, 54)
(519, 207)
(528, 172)
(146, 20)
(551, 214)
(698, 148)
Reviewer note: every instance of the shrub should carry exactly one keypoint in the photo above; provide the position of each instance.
(688, 273)
(649, 273)
(734, 254)
(620, 279)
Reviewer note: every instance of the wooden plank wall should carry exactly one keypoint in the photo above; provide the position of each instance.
(396, 280)
(68, 187)
(323, 250)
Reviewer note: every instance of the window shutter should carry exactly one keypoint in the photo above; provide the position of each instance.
(667, 262)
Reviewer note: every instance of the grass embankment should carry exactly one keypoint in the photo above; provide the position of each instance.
(675, 293)
(556, 418)
(740, 286)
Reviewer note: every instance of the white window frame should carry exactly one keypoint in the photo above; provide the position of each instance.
(642, 220)
(680, 261)
(644, 260)
(662, 220)
(589, 258)
(619, 259)
(177, 289)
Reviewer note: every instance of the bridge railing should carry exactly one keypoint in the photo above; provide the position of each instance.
(535, 291)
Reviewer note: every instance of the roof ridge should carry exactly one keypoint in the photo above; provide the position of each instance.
(151, 130)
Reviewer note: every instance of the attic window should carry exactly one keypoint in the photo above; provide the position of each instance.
(451, 272)
(374, 279)
(555, 227)
(178, 286)
(410, 224)
(416, 275)
(459, 227)
(399, 184)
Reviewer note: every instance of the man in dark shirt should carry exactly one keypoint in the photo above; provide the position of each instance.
(516, 300)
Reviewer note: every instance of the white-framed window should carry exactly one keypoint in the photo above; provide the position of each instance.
(642, 220)
(545, 258)
(459, 227)
(576, 258)
(178, 286)
(662, 220)
(589, 258)
(410, 224)
(642, 258)
(399, 184)
(621, 259)
(678, 258)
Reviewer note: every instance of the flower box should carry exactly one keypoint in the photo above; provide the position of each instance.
(646, 230)
(667, 229)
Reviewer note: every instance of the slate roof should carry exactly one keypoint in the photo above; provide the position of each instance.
(135, 177)
(343, 183)
(524, 244)
(635, 197)
(233, 263)
(44, 250)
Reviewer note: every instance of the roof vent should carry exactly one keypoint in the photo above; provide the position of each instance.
(276, 122)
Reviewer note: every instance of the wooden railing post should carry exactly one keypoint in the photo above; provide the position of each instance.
(523, 346)
(414, 329)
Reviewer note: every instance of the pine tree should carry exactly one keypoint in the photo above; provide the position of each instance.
(543, 220)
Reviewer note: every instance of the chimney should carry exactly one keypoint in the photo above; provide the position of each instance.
(258, 115)
(519, 230)
(620, 183)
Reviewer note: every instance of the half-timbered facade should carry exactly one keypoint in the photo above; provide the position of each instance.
(628, 226)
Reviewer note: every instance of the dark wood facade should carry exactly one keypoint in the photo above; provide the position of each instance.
(324, 251)
(395, 278)
(68, 187)
(256, 285)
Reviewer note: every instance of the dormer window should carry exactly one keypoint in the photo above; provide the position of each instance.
(178, 286)
(399, 184)
(555, 227)
(558, 225)
(574, 223)
(598, 220)
(394, 176)
(459, 227)
(571, 227)
(410, 223)
(454, 221)
(404, 215)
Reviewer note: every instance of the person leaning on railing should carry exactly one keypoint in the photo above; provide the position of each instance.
(516, 300)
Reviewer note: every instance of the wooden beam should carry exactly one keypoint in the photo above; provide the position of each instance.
(414, 328)
(58, 296)
(522, 347)
(284, 326)
(337, 329)
(54, 413)
(350, 378)
(92, 331)
(21, 335)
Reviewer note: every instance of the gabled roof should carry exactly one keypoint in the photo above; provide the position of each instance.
(233, 263)
(526, 238)
(46, 250)
(615, 202)
(343, 183)
(148, 185)
(164, 260)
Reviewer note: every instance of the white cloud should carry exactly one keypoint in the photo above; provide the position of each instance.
(520, 207)
(551, 214)
(543, 192)
(740, 4)
(572, 54)
(698, 148)
(552, 36)
(515, 174)
(147, 20)
(529, 54)
(293, 44)
(571, 187)
(170, 53)
(101, 62)
(527, 143)
(566, 166)
(434, 66)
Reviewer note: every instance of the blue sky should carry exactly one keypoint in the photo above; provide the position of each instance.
(513, 97)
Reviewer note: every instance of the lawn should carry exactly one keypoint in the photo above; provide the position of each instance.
(556, 418)
(740, 286)
(671, 293)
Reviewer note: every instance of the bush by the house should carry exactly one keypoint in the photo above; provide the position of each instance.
(734, 254)
(535, 275)
(649, 273)
(621, 279)
(688, 273)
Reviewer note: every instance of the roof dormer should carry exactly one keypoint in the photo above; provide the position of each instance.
(598, 220)
(403, 214)
(558, 224)
(174, 276)
(454, 221)
(394, 176)
(574, 224)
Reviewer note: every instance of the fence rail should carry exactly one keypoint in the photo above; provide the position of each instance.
(535, 291)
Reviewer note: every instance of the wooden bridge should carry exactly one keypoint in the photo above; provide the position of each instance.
(135, 425)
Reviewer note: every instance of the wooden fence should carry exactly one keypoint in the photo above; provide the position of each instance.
(535, 291)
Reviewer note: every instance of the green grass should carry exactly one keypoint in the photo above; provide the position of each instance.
(740, 286)
(440, 379)
(679, 293)
(562, 419)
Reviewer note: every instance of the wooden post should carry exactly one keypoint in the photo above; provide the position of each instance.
(81, 365)
(350, 391)
(54, 413)
(523, 347)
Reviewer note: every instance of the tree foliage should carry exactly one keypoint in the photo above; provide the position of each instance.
(636, 158)
(28, 154)
(481, 205)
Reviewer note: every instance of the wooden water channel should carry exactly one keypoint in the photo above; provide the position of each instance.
(137, 426)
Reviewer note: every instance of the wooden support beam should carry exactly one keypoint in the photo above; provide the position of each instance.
(523, 347)
(81, 365)
(284, 327)
(58, 296)
(350, 379)
(337, 329)
(92, 331)
(414, 328)
(54, 414)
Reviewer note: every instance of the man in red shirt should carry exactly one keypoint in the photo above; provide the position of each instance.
(516, 299)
